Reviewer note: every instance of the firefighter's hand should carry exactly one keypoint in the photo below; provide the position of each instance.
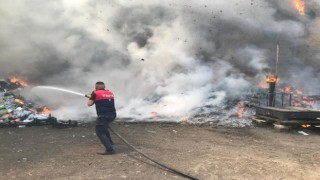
(88, 96)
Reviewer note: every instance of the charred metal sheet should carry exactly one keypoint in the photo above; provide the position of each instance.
(289, 115)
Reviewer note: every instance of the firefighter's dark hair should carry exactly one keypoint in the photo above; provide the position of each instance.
(100, 85)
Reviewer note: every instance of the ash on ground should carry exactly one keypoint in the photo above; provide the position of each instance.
(236, 113)
(232, 113)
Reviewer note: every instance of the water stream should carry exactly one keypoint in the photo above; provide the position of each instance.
(59, 89)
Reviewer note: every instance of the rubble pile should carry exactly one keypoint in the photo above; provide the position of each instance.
(299, 99)
(16, 111)
(230, 113)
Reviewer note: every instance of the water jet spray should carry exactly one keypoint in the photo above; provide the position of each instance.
(59, 89)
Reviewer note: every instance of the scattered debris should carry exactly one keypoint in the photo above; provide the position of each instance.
(175, 131)
(153, 132)
(303, 133)
(16, 111)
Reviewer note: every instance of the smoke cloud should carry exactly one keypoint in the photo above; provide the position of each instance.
(166, 57)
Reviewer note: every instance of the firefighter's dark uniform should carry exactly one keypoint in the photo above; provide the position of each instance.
(104, 102)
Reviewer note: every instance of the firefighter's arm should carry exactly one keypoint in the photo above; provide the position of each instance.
(90, 102)
(91, 99)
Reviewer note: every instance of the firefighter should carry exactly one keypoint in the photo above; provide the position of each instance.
(106, 113)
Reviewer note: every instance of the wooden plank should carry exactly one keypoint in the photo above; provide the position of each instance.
(267, 118)
(300, 109)
(290, 109)
(259, 120)
(300, 122)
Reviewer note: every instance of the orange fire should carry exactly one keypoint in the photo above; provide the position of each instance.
(272, 79)
(45, 110)
(241, 109)
(269, 79)
(298, 91)
(298, 99)
(263, 85)
(15, 79)
(299, 4)
(305, 125)
(154, 114)
(291, 90)
(309, 102)
(287, 90)
(19, 101)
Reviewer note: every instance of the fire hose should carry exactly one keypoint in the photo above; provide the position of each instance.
(172, 170)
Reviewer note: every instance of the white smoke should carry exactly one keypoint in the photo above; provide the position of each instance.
(164, 57)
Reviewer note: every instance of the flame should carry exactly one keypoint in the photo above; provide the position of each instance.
(15, 79)
(299, 4)
(307, 101)
(154, 114)
(269, 79)
(298, 91)
(291, 90)
(305, 125)
(45, 110)
(19, 101)
(272, 79)
(241, 109)
(298, 99)
(263, 85)
(185, 118)
(287, 90)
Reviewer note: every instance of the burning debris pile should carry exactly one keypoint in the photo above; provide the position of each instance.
(299, 99)
(239, 112)
(16, 111)
(182, 61)
(286, 95)
(230, 113)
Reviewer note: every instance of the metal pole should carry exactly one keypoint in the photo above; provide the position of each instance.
(290, 98)
(277, 60)
(272, 94)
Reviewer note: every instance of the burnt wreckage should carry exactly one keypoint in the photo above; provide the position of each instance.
(287, 108)
(16, 111)
(281, 107)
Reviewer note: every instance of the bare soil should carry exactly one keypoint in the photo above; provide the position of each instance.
(43, 152)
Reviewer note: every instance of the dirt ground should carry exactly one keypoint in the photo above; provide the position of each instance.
(43, 152)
